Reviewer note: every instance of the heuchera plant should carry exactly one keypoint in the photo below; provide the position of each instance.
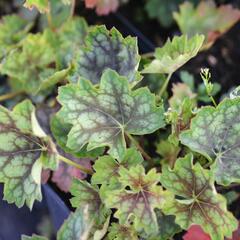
(82, 111)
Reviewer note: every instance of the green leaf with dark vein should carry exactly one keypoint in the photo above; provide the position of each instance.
(167, 227)
(60, 131)
(22, 156)
(87, 194)
(138, 203)
(122, 232)
(41, 5)
(13, 29)
(33, 237)
(71, 37)
(174, 54)
(196, 199)
(100, 117)
(39, 56)
(107, 49)
(77, 226)
(214, 132)
(107, 168)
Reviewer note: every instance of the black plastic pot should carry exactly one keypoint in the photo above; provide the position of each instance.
(14, 221)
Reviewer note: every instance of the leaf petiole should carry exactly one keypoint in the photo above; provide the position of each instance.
(164, 86)
(145, 155)
(70, 162)
(10, 95)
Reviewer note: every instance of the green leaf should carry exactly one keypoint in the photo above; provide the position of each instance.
(174, 54)
(13, 29)
(107, 49)
(41, 5)
(214, 132)
(167, 227)
(37, 54)
(22, 156)
(34, 237)
(87, 194)
(196, 199)
(77, 226)
(122, 232)
(137, 203)
(206, 19)
(107, 168)
(60, 131)
(162, 10)
(100, 117)
(71, 37)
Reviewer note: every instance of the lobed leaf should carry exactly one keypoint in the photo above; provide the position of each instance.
(87, 194)
(196, 199)
(138, 203)
(22, 155)
(206, 19)
(103, 7)
(100, 117)
(38, 55)
(13, 29)
(65, 173)
(106, 49)
(107, 168)
(77, 226)
(214, 132)
(122, 232)
(41, 5)
(60, 130)
(174, 54)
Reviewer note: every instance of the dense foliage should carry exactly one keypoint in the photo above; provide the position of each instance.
(146, 166)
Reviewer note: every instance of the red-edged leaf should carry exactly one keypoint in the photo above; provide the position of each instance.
(195, 232)
(236, 234)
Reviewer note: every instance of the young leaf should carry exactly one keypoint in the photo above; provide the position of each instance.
(22, 156)
(107, 168)
(196, 199)
(122, 232)
(139, 202)
(38, 55)
(13, 29)
(206, 19)
(77, 226)
(107, 49)
(175, 54)
(100, 117)
(214, 132)
(87, 194)
(41, 5)
(34, 237)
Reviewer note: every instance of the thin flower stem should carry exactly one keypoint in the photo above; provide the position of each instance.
(213, 101)
(10, 95)
(80, 167)
(145, 155)
(164, 87)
